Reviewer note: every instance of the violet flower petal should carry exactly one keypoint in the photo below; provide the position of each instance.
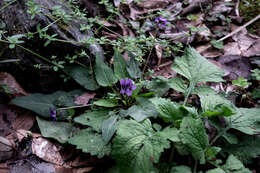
(128, 92)
(122, 82)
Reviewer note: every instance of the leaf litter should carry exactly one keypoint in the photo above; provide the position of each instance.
(234, 59)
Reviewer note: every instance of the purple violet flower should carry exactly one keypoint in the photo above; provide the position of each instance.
(127, 86)
(53, 114)
(161, 22)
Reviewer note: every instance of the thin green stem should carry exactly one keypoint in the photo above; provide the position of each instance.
(5, 6)
(172, 154)
(147, 61)
(72, 107)
(219, 135)
(39, 56)
(195, 166)
(188, 94)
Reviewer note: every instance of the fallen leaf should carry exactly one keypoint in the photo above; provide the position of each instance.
(9, 81)
(84, 98)
(244, 44)
(235, 66)
(151, 4)
(25, 121)
(7, 116)
(165, 70)
(208, 52)
(4, 168)
(159, 51)
(6, 149)
(47, 151)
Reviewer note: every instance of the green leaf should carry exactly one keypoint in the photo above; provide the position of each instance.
(120, 66)
(216, 105)
(180, 169)
(159, 85)
(216, 170)
(104, 74)
(133, 67)
(109, 128)
(246, 120)
(212, 152)
(90, 142)
(109, 103)
(246, 149)
(196, 68)
(193, 135)
(217, 44)
(203, 90)
(41, 103)
(83, 76)
(241, 82)
(93, 119)
(144, 109)
(60, 131)
(235, 166)
(178, 84)
(171, 134)
(137, 146)
(168, 110)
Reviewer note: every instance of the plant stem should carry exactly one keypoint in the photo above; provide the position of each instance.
(188, 94)
(195, 166)
(72, 107)
(5, 6)
(171, 156)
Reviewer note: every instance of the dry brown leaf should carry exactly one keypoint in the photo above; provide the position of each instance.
(84, 98)
(47, 151)
(165, 70)
(151, 4)
(4, 168)
(6, 149)
(244, 44)
(7, 116)
(235, 66)
(10, 82)
(208, 52)
(159, 51)
(24, 121)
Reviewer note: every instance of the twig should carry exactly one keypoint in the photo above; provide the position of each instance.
(237, 8)
(240, 28)
(233, 33)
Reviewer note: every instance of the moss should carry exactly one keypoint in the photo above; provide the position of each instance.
(248, 10)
